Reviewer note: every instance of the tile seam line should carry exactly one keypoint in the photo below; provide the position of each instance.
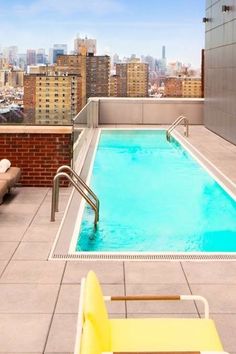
(125, 292)
(19, 242)
(188, 284)
(54, 308)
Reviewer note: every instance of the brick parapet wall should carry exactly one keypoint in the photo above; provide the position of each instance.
(37, 154)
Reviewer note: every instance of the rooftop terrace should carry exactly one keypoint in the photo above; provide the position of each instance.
(39, 298)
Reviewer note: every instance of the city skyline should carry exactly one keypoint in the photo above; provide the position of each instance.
(119, 27)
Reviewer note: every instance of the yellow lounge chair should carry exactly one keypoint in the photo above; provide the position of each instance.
(96, 333)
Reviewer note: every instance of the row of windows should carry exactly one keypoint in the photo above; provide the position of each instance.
(54, 78)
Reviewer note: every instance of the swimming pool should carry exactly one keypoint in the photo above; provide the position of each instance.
(155, 198)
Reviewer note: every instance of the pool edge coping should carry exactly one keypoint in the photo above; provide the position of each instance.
(149, 256)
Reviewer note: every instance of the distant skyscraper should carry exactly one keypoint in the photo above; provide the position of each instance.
(31, 57)
(22, 61)
(150, 61)
(163, 52)
(85, 46)
(10, 53)
(58, 49)
(41, 57)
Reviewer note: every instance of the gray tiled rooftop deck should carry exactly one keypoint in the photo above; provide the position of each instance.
(39, 298)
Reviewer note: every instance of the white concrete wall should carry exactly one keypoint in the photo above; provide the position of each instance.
(149, 110)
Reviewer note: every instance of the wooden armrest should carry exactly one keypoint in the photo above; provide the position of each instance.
(161, 297)
(145, 297)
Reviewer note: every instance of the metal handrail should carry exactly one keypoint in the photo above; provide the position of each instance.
(77, 187)
(175, 124)
(79, 180)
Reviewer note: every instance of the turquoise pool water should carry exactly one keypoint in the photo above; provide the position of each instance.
(155, 198)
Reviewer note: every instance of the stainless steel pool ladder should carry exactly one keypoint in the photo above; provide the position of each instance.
(177, 122)
(77, 182)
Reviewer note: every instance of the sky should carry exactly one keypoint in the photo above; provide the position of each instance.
(120, 26)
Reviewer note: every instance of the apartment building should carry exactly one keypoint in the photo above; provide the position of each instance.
(52, 98)
(97, 75)
(173, 86)
(133, 78)
(114, 86)
(74, 64)
(192, 87)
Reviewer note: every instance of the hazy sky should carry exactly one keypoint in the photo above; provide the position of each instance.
(120, 26)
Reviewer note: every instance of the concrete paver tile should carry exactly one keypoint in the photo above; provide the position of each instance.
(226, 326)
(33, 272)
(2, 266)
(154, 272)
(35, 233)
(10, 233)
(220, 300)
(68, 300)
(44, 220)
(27, 195)
(27, 298)
(159, 306)
(62, 334)
(20, 209)
(7, 249)
(16, 219)
(210, 272)
(32, 251)
(108, 273)
(23, 332)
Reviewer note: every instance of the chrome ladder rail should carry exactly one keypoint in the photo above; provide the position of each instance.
(78, 180)
(55, 195)
(177, 122)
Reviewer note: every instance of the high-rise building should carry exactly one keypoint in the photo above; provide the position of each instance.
(163, 52)
(85, 46)
(74, 64)
(121, 72)
(3, 77)
(11, 77)
(114, 86)
(41, 56)
(137, 79)
(97, 76)
(133, 78)
(52, 98)
(58, 49)
(150, 61)
(192, 87)
(10, 53)
(22, 61)
(31, 57)
(16, 78)
(161, 64)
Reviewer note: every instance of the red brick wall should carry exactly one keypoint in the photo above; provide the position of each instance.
(38, 155)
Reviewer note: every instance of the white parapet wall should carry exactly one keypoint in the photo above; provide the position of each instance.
(149, 110)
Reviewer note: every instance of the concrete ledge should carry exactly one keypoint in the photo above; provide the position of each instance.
(35, 129)
(149, 110)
